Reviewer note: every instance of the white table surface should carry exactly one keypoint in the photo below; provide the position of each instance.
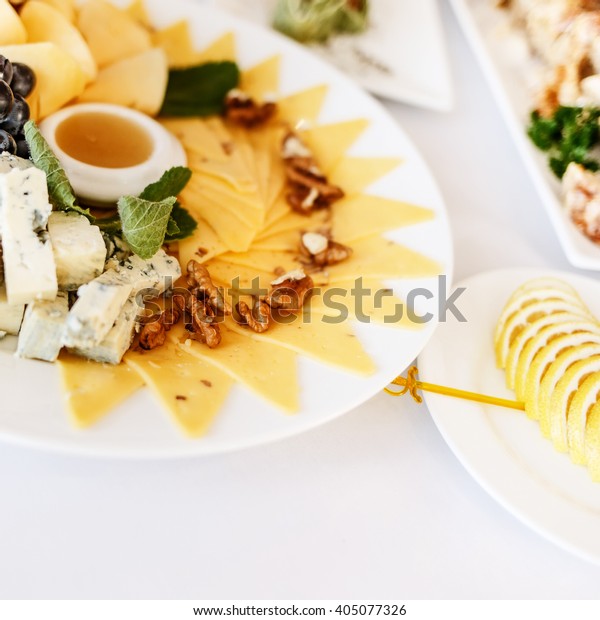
(373, 505)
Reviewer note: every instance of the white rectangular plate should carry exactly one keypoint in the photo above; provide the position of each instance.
(503, 56)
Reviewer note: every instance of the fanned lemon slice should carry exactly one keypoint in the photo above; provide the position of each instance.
(530, 292)
(541, 330)
(592, 442)
(557, 370)
(529, 343)
(530, 313)
(585, 398)
(542, 362)
(563, 395)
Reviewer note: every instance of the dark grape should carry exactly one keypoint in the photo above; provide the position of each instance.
(6, 100)
(23, 149)
(7, 142)
(18, 116)
(6, 69)
(23, 79)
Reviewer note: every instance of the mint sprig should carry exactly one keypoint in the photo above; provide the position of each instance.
(60, 191)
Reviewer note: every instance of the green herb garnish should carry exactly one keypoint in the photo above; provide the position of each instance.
(155, 216)
(60, 191)
(567, 136)
(200, 90)
(181, 224)
(144, 223)
(317, 20)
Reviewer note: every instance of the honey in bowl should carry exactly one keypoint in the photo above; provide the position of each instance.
(104, 140)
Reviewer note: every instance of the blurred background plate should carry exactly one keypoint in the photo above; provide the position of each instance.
(401, 56)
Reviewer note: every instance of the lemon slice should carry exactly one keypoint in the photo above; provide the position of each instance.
(541, 330)
(555, 373)
(563, 395)
(528, 344)
(592, 442)
(585, 398)
(542, 362)
(530, 313)
(534, 290)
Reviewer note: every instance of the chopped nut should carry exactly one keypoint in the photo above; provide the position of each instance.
(323, 251)
(154, 332)
(243, 110)
(581, 192)
(202, 286)
(290, 291)
(258, 318)
(310, 188)
(200, 320)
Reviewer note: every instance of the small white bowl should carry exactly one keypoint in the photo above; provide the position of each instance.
(104, 186)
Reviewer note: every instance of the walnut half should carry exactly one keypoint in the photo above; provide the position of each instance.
(242, 109)
(309, 187)
(154, 332)
(323, 251)
(290, 291)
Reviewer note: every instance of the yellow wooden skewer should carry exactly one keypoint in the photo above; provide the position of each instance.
(411, 384)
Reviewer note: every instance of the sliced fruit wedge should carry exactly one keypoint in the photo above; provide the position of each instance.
(534, 290)
(541, 330)
(562, 398)
(555, 373)
(530, 313)
(529, 343)
(592, 442)
(542, 362)
(585, 398)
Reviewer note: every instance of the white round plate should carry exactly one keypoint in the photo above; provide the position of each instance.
(502, 448)
(30, 407)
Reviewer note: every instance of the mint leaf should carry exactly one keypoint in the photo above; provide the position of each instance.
(171, 183)
(181, 225)
(144, 223)
(60, 191)
(199, 90)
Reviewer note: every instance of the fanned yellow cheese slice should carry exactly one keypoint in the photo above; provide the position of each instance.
(278, 210)
(373, 257)
(190, 389)
(176, 41)
(355, 174)
(92, 390)
(371, 302)
(303, 106)
(250, 278)
(262, 79)
(332, 344)
(222, 48)
(202, 245)
(284, 234)
(269, 165)
(197, 135)
(236, 235)
(329, 142)
(268, 371)
(234, 173)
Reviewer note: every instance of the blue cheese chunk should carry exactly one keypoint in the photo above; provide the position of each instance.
(98, 305)
(42, 330)
(118, 340)
(10, 316)
(29, 269)
(79, 250)
(100, 301)
(9, 162)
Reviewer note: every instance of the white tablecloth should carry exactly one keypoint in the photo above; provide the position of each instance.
(373, 505)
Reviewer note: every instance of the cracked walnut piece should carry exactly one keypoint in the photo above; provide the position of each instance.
(154, 333)
(257, 318)
(322, 250)
(290, 291)
(202, 287)
(199, 317)
(309, 187)
(242, 109)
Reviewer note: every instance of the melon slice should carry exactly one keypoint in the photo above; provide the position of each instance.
(138, 82)
(112, 34)
(59, 75)
(45, 23)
